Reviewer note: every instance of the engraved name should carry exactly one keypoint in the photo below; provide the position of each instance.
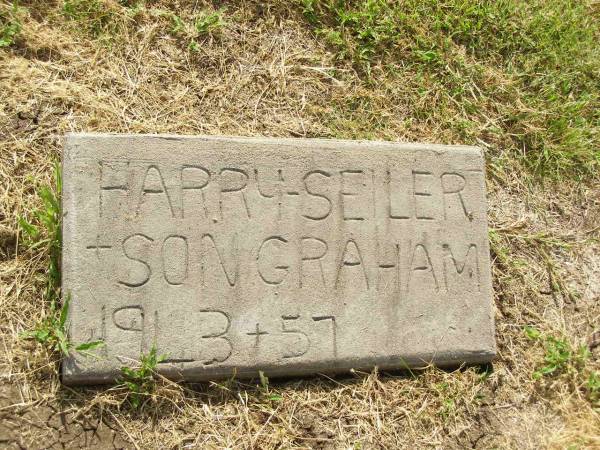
(136, 189)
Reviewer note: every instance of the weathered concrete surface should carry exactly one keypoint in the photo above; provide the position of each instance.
(290, 256)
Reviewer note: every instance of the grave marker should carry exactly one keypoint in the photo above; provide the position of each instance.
(291, 256)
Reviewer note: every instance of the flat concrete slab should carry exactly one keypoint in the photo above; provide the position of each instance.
(292, 256)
